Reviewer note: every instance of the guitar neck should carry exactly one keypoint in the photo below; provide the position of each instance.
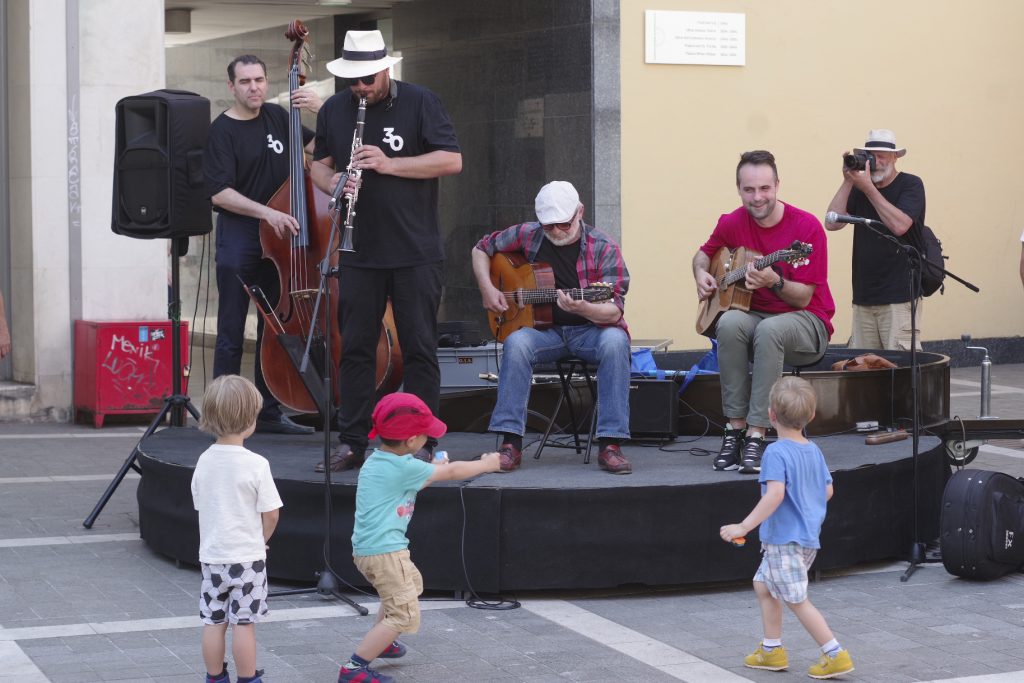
(734, 276)
(544, 296)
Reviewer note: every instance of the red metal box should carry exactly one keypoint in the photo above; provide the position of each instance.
(125, 367)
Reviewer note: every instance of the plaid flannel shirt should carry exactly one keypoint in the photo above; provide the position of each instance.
(600, 257)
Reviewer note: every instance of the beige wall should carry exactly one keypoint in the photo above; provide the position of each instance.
(943, 75)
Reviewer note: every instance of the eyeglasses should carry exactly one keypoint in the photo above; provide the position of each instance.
(365, 80)
(563, 227)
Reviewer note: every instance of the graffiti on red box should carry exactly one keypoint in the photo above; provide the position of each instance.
(133, 370)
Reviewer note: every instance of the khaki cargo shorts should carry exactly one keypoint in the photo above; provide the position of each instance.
(398, 583)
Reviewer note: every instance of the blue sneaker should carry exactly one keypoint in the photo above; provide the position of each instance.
(257, 679)
(393, 651)
(222, 678)
(362, 674)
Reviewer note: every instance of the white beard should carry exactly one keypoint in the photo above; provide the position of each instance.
(562, 241)
(879, 176)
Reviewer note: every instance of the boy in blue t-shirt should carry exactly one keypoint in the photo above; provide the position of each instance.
(385, 500)
(795, 488)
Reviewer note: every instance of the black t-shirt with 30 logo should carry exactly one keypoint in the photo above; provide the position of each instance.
(397, 223)
(250, 157)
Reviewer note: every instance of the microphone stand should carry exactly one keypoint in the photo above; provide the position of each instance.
(327, 583)
(915, 263)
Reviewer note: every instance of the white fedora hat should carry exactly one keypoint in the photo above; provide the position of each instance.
(364, 54)
(881, 140)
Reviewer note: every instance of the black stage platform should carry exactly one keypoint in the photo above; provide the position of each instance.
(557, 523)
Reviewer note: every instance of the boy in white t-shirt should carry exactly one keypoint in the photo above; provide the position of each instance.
(238, 508)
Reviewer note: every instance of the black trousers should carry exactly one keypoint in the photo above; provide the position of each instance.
(232, 309)
(415, 297)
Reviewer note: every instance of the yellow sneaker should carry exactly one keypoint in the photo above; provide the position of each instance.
(829, 667)
(775, 659)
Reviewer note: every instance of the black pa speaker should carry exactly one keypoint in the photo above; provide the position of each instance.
(653, 408)
(158, 165)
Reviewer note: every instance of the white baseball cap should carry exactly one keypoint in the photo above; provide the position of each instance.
(556, 202)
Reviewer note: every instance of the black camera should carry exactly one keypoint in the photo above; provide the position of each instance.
(859, 160)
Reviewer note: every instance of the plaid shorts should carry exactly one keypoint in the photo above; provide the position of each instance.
(783, 570)
(236, 593)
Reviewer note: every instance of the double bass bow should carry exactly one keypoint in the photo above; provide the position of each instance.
(294, 322)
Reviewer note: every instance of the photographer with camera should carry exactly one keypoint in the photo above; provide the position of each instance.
(873, 188)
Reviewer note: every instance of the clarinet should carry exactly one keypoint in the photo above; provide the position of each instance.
(356, 174)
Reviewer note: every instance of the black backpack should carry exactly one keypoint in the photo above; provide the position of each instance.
(933, 261)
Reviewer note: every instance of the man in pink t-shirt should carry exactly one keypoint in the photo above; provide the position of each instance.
(791, 308)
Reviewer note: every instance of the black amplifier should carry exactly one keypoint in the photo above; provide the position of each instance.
(653, 408)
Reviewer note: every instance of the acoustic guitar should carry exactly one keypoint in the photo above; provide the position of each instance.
(729, 268)
(529, 289)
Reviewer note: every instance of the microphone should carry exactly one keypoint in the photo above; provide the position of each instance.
(833, 217)
(339, 188)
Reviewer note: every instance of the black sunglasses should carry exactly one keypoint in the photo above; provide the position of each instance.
(367, 80)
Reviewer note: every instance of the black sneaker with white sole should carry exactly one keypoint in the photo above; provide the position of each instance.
(729, 457)
(750, 457)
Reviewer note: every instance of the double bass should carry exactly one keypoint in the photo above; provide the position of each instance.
(295, 323)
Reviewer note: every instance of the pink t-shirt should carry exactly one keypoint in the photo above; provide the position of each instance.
(738, 229)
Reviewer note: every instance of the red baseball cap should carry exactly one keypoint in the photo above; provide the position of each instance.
(402, 416)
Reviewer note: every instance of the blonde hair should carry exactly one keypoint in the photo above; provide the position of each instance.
(231, 404)
(794, 401)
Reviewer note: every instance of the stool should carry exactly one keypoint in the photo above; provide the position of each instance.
(795, 369)
(567, 368)
(796, 373)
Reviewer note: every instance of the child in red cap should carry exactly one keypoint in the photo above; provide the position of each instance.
(385, 500)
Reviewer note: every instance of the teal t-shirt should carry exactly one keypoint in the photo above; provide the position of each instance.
(385, 500)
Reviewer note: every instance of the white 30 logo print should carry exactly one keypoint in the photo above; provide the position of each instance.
(275, 145)
(396, 141)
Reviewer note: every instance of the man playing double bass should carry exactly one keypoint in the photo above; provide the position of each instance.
(408, 143)
(245, 162)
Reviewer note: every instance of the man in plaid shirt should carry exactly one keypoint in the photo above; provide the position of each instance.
(580, 255)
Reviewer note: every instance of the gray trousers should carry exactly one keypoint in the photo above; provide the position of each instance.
(769, 341)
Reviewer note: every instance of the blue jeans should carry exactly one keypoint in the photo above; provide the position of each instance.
(605, 347)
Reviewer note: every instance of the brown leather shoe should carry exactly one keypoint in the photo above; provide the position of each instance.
(510, 456)
(342, 458)
(612, 460)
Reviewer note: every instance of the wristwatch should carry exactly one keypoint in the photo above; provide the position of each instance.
(777, 287)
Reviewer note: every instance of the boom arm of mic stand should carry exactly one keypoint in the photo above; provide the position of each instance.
(959, 279)
(886, 234)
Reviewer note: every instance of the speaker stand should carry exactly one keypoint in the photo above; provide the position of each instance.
(176, 404)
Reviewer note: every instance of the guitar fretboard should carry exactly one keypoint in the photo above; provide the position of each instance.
(738, 274)
(547, 296)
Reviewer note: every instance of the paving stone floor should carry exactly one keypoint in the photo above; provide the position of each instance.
(81, 605)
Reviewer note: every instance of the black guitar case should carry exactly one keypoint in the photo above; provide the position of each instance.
(982, 514)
